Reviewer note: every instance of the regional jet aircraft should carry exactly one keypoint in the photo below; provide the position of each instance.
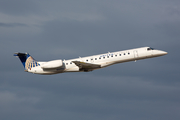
(86, 64)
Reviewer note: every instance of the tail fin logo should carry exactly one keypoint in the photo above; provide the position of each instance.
(30, 63)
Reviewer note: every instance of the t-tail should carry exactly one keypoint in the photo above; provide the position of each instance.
(27, 61)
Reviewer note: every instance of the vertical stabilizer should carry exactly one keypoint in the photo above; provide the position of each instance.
(27, 61)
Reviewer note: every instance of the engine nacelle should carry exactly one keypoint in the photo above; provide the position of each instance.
(52, 64)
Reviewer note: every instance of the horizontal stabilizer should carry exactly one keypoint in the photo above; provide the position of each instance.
(20, 54)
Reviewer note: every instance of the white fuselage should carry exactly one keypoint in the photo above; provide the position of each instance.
(103, 60)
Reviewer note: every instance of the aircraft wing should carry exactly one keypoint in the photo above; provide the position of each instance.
(87, 66)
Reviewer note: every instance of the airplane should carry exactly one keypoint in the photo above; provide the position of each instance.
(86, 64)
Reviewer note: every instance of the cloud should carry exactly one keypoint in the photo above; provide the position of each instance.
(146, 89)
(19, 7)
(11, 98)
(11, 24)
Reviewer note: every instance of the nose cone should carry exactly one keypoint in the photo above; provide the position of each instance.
(159, 53)
(164, 53)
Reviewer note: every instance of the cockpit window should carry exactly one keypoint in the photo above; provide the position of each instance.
(150, 48)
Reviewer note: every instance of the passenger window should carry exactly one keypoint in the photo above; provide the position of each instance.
(95, 58)
(124, 53)
(119, 54)
(104, 57)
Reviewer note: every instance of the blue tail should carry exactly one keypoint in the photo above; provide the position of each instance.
(27, 61)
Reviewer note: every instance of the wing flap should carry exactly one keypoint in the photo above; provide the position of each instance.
(83, 65)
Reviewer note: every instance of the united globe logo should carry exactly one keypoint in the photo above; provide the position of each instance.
(30, 63)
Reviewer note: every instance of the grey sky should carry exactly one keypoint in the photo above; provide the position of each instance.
(143, 90)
